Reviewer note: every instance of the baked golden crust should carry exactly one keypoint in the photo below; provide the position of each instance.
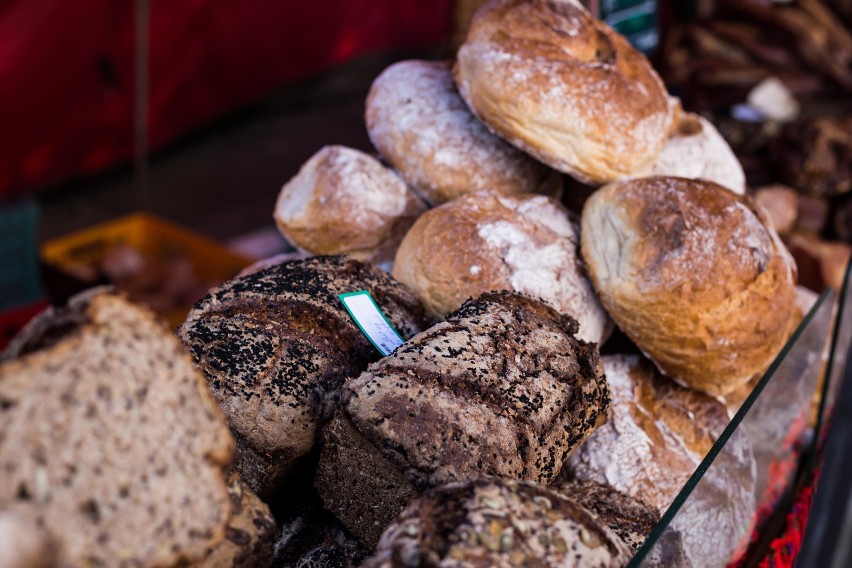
(693, 274)
(564, 87)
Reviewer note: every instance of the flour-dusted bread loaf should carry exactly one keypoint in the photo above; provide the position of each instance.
(696, 150)
(419, 123)
(489, 522)
(344, 201)
(250, 535)
(564, 87)
(502, 388)
(491, 241)
(693, 274)
(275, 347)
(110, 441)
(656, 435)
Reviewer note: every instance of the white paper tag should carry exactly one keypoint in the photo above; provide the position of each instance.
(371, 321)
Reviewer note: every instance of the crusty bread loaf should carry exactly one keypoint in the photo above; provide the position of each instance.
(250, 535)
(275, 347)
(345, 201)
(110, 440)
(501, 388)
(492, 241)
(488, 522)
(696, 150)
(693, 275)
(419, 123)
(656, 435)
(564, 87)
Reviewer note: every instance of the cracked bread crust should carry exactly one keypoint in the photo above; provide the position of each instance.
(275, 347)
(110, 439)
(488, 522)
(501, 388)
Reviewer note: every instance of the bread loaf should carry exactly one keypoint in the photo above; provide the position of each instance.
(344, 201)
(656, 435)
(420, 124)
(564, 87)
(497, 523)
(275, 347)
(502, 388)
(491, 241)
(110, 441)
(693, 275)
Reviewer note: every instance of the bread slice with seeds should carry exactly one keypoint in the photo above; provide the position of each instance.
(110, 440)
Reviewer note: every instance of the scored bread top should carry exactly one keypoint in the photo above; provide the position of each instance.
(501, 388)
(110, 439)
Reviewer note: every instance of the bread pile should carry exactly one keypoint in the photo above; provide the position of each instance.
(496, 434)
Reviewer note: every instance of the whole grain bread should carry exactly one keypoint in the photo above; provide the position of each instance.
(110, 439)
(275, 347)
(489, 522)
(501, 388)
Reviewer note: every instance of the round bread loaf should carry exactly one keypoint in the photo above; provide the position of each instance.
(491, 241)
(497, 523)
(564, 87)
(419, 123)
(696, 150)
(502, 388)
(693, 275)
(656, 435)
(345, 201)
(275, 347)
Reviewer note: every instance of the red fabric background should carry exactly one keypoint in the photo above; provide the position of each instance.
(66, 68)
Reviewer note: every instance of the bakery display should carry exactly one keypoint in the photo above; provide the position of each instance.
(696, 150)
(498, 523)
(111, 444)
(502, 388)
(656, 435)
(419, 123)
(345, 201)
(275, 347)
(491, 241)
(564, 87)
(693, 274)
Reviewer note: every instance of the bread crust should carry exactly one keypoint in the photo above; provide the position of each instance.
(693, 274)
(564, 87)
(492, 241)
(418, 121)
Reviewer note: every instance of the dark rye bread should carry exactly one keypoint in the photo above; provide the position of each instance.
(497, 523)
(250, 535)
(110, 440)
(501, 388)
(275, 347)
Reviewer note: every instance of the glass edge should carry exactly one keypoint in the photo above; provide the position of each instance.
(689, 486)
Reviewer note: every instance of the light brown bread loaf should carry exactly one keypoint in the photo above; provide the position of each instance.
(276, 345)
(491, 241)
(693, 274)
(498, 523)
(502, 388)
(419, 123)
(343, 201)
(110, 439)
(564, 87)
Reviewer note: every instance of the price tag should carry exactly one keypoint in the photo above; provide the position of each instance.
(371, 321)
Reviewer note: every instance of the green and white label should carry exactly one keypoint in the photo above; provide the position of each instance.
(371, 321)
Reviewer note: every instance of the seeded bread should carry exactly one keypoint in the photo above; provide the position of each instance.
(275, 347)
(110, 440)
(250, 535)
(501, 388)
(498, 523)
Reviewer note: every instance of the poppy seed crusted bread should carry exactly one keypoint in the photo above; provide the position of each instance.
(502, 388)
(110, 440)
(275, 347)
